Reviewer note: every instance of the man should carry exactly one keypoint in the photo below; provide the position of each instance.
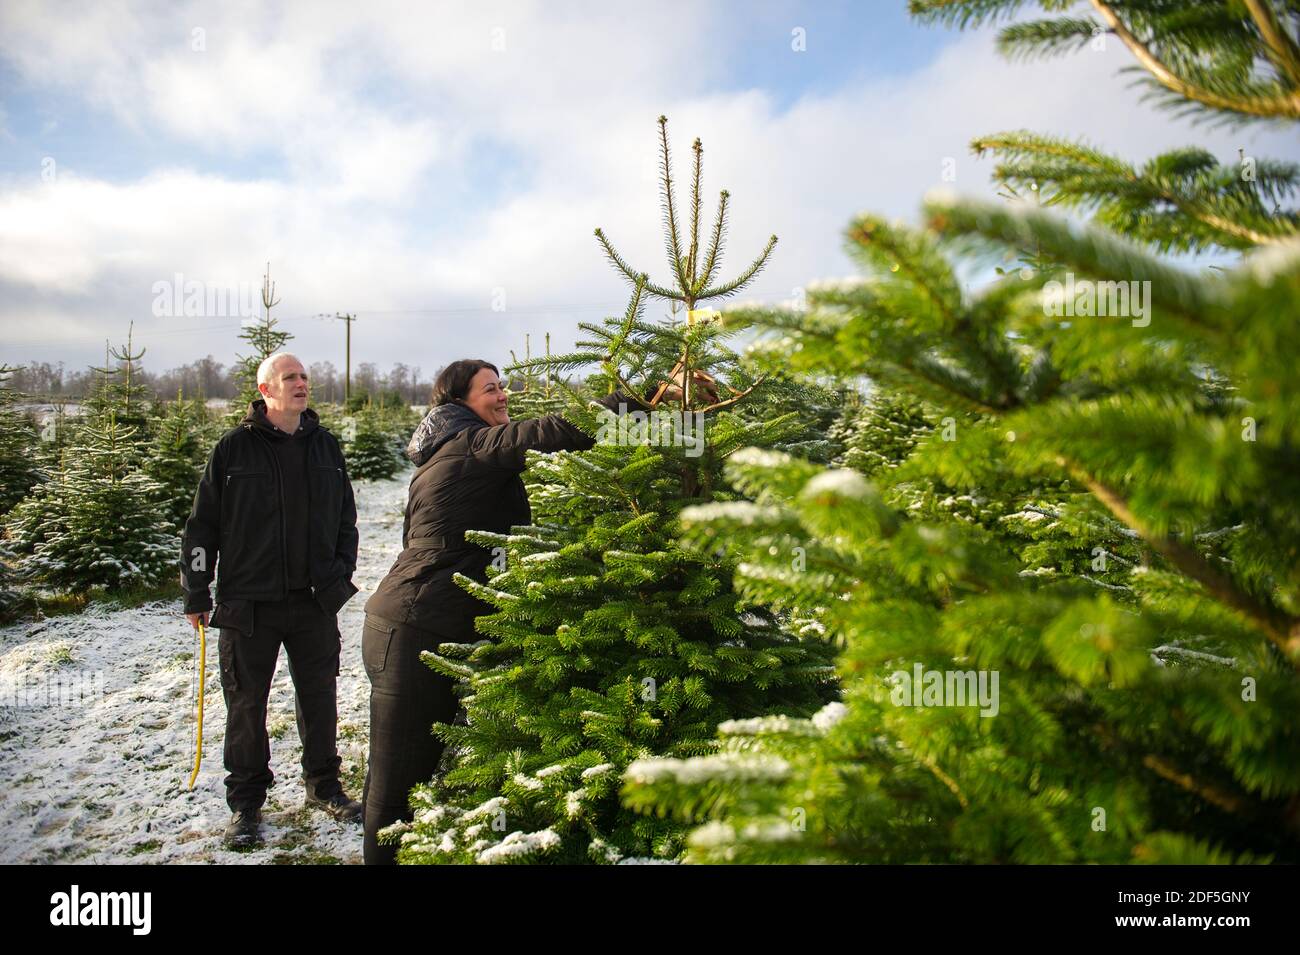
(276, 506)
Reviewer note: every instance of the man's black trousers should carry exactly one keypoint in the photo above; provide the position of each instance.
(406, 699)
(312, 643)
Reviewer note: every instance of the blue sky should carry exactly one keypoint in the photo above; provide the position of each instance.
(412, 164)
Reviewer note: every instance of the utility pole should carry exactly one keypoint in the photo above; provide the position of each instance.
(347, 356)
(347, 360)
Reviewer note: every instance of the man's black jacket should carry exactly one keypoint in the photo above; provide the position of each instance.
(238, 513)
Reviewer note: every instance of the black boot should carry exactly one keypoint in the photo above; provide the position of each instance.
(243, 832)
(338, 805)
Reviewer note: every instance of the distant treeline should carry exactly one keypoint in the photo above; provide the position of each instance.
(209, 378)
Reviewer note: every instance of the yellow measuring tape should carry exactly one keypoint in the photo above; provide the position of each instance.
(203, 667)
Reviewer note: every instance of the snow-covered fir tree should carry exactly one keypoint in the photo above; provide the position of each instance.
(810, 435)
(177, 456)
(18, 446)
(878, 431)
(371, 451)
(611, 642)
(533, 393)
(263, 338)
(12, 597)
(1145, 686)
(97, 524)
(119, 392)
(18, 475)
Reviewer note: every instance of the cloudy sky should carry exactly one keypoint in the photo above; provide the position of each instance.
(415, 163)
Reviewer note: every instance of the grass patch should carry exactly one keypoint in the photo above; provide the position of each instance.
(310, 857)
(349, 731)
(60, 655)
(140, 594)
(37, 605)
(353, 778)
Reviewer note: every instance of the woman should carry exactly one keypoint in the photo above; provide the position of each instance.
(470, 455)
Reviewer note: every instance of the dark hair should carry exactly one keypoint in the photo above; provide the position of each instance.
(452, 384)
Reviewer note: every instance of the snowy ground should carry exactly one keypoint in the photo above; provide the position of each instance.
(97, 731)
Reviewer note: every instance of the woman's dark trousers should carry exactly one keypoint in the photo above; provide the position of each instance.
(406, 699)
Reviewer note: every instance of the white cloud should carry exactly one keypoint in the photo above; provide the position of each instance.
(382, 122)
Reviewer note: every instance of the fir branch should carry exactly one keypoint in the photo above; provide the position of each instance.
(1211, 794)
(715, 245)
(1196, 656)
(1286, 105)
(943, 777)
(1088, 249)
(915, 255)
(1188, 181)
(1105, 586)
(1278, 44)
(670, 216)
(1040, 38)
(721, 291)
(738, 396)
(698, 147)
(963, 13)
(631, 274)
(1282, 630)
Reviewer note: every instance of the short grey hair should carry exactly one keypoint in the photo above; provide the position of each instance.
(267, 366)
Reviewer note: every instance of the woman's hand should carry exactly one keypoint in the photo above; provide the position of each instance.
(701, 385)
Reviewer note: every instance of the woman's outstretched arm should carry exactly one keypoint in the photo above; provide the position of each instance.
(506, 445)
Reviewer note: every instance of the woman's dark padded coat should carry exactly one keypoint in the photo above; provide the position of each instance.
(468, 479)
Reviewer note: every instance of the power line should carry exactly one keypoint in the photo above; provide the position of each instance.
(535, 310)
(613, 309)
(460, 310)
(23, 343)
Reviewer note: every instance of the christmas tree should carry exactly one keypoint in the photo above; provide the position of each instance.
(879, 431)
(119, 392)
(1109, 678)
(99, 519)
(18, 475)
(612, 643)
(371, 451)
(98, 523)
(1130, 723)
(41, 514)
(264, 339)
(12, 598)
(812, 434)
(18, 444)
(176, 458)
(532, 393)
